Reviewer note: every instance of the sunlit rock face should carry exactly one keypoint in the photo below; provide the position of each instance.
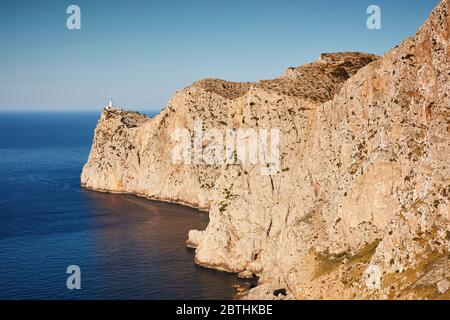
(358, 207)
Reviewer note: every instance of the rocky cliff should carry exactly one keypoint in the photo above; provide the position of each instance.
(358, 206)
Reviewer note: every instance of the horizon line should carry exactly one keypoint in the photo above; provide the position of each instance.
(84, 110)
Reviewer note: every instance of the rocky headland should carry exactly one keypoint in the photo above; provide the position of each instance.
(359, 208)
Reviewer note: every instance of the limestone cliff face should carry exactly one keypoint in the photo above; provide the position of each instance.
(359, 207)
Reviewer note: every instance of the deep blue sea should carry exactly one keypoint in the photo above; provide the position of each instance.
(126, 247)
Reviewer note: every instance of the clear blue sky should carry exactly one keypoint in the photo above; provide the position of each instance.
(140, 52)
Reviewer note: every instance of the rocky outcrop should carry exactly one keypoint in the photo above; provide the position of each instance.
(359, 206)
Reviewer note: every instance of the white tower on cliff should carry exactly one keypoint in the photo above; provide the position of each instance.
(110, 105)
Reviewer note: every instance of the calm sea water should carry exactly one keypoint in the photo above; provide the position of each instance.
(126, 247)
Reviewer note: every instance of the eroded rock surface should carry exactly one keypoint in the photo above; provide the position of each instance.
(360, 205)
